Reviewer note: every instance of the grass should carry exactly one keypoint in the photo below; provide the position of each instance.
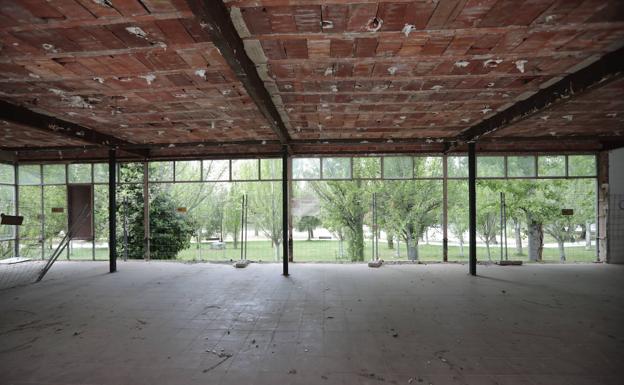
(328, 251)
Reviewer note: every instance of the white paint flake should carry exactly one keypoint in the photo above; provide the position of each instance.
(520, 65)
(334, 88)
(437, 87)
(550, 18)
(569, 118)
(492, 63)
(392, 70)
(201, 73)
(611, 115)
(56, 91)
(137, 31)
(99, 79)
(149, 78)
(465, 120)
(407, 29)
(48, 47)
(34, 76)
(329, 71)
(545, 117)
(486, 110)
(327, 24)
(104, 3)
(462, 63)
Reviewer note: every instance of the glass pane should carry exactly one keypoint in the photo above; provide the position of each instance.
(306, 168)
(55, 216)
(216, 169)
(520, 166)
(428, 166)
(367, 168)
(7, 206)
(100, 172)
(581, 165)
(188, 170)
(551, 165)
(79, 173)
(457, 166)
(130, 173)
(7, 173)
(490, 166)
(336, 168)
(271, 169)
(161, 171)
(29, 174)
(54, 174)
(398, 167)
(100, 216)
(245, 169)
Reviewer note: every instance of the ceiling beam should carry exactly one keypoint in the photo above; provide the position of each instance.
(605, 69)
(23, 116)
(215, 18)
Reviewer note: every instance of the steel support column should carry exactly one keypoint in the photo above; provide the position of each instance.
(112, 210)
(445, 209)
(146, 212)
(472, 206)
(285, 198)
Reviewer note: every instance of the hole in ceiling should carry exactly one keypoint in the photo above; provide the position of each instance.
(374, 24)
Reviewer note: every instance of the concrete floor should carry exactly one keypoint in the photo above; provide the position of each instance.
(171, 323)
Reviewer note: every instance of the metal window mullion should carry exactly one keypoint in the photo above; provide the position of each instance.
(42, 212)
(92, 213)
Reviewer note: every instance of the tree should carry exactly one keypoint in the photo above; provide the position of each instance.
(170, 231)
(344, 207)
(488, 213)
(536, 201)
(458, 212)
(411, 207)
(308, 223)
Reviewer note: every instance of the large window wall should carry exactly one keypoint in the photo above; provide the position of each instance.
(204, 209)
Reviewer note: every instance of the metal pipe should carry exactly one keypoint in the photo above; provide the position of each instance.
(444, 209)
(472, 206)
(112, 210)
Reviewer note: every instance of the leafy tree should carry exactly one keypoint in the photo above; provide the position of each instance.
(488, 209)
(265, 209)
(170, 231)
(458, 212)
(411, 207)
(344, 208)
(308, 223)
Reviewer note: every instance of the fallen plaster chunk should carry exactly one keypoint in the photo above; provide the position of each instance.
(137, 31)
(148, 78)
(568, 117)
(492, 63)
(201, 74)
(407, 29)
(520, 65)
(462, 64)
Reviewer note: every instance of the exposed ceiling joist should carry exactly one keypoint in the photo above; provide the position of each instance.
(215, 18)
(605, 69)
(23, 116)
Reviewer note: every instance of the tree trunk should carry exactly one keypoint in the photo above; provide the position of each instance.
(356, 243)
(309, 236)
(487, 246)
(390, 239)
(427, 236)
(562, 256)
(587, 236)
(518, 236)
(235, 238)
(412, 248)
(397, 251)
(276, 251)
(461, 247)
(536, 240)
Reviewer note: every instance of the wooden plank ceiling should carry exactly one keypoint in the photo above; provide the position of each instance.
(342, 70)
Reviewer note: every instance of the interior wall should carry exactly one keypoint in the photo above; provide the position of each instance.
(616, 206)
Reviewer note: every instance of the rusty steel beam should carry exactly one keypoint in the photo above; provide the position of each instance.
(215, 18)
(605, 69)
(51, 125)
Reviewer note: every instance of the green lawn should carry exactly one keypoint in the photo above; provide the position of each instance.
(328, 251)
